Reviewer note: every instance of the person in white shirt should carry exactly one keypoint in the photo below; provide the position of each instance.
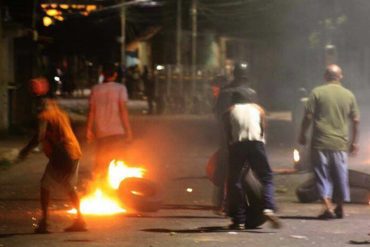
(245, 130)
(108, 122)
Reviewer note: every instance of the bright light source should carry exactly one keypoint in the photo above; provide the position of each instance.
(296, 156)
(59, 18)
(159, 67)
(52, 12)
(189, 190)
(47, 21)
(56, 78)
(90, 8)
(64, 6)
(244, 65)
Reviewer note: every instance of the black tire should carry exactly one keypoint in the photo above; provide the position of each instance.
(140, 194)
(307, 191)
(359, 195)
(359, 179)
(254, 200)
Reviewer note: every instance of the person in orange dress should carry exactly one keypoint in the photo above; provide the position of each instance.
(63, 151)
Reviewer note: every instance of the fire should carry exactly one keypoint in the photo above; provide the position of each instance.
(296, 156)
(118, 171)
(102, 202)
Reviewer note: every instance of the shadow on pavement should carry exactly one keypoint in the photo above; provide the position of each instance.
(299, 217)
(8, 235)
(210, 229)
(174, 217)
(361, 242)
(188, 207)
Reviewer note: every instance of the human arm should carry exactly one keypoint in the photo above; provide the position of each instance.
(35, 140)
(306, 122)
(355, 121)
(309, 109)
(353, 148)
(125, 121)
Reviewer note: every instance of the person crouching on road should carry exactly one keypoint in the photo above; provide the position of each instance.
(245, 130)
(63, 150)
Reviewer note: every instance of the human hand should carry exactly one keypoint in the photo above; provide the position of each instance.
(353, 149)
(129, 138)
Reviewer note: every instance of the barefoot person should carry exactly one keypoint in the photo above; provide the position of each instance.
(61, 147)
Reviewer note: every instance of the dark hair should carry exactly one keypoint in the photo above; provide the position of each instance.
(239, 98)
(240, 70)
(109, 69)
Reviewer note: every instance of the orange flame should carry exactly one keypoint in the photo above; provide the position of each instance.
(103, 203)
(118, 171)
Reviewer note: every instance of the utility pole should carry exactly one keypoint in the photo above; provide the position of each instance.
(178, 33)
(123, 36)
(194, 35)
(3, 84)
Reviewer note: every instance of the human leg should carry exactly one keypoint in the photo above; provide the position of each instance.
(340, 181)
(69, 182)
(235, 191)
(321, 167)
(259, 163)
(79, 223)
(44, 201)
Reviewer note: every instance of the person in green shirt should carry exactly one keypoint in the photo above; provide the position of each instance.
(331, 109)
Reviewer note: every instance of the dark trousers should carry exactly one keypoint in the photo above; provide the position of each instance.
(250, 153)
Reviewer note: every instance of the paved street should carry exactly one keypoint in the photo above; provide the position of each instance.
(175, 150)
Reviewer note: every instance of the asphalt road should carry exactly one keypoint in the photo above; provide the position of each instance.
(175, 150)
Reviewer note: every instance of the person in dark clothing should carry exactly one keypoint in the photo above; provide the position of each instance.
(149, 87)
(223, 103)
(245, 135)
(238, 84)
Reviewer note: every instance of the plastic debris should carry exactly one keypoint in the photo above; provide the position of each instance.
(299, 237)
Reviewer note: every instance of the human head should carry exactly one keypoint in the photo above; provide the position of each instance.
(109, 72)
(333, 73)
(39, 86)
(240, 70)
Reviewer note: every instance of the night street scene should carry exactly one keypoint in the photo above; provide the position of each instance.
(161, 123)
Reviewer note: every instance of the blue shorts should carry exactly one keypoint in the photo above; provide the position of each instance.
(331, 171)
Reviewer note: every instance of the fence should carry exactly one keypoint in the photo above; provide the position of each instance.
(177, 92)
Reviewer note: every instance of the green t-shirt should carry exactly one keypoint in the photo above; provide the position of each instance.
(332, 106)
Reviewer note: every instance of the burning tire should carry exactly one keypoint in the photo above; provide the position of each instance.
(140, 194)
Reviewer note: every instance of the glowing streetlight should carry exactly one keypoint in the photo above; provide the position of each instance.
(47, 21)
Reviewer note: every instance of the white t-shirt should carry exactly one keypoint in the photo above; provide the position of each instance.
(245, 121)
(105, 101)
